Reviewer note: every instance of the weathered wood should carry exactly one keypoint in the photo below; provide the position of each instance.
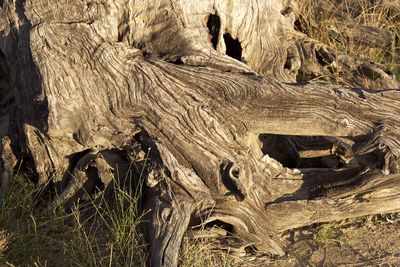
(380, 195)
(184, 100)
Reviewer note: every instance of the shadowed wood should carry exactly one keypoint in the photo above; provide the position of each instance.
(112, 88)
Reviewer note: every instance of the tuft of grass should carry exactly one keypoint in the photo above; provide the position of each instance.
(108, 236)
(122, 216)
(327, 233)
(35, 238)
(204, 251)
(32, 236)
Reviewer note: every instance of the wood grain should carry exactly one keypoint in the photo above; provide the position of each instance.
(99, 84)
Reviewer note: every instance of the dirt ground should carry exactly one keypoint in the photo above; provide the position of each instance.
(368, 241)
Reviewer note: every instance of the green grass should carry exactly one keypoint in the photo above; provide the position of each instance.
(33, 236)
(327, 232)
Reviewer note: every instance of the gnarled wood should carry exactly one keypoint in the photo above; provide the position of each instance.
(183, 93)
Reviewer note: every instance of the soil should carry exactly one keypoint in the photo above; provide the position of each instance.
(368, 241)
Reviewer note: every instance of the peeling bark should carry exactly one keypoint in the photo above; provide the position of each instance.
(201, 99)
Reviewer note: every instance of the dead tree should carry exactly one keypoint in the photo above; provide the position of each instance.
(211, 98)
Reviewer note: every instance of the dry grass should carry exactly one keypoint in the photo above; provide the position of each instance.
(33, 236)
(4, 240)
(329, 20)
(205, 251)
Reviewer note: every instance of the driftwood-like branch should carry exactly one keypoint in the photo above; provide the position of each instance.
(200, 99)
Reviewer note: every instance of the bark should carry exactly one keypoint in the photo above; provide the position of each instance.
(202, 100)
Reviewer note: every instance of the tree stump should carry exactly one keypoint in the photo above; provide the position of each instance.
(212, 100)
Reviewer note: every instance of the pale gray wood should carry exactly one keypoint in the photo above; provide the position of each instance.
(100, 86)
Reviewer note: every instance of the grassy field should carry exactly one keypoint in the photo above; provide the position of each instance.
(108, 235)
(334, 21)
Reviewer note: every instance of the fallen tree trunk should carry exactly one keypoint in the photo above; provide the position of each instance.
(204, 98)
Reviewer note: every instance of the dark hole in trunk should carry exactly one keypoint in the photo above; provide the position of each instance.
(298, 26)
(288, 64)
(98, 186)
(287, 11)
(177, 61)
(280, 148)
(214, 25)
(323, 57)
(220, 224)
(302, 151)
(233, 47)
(6, 96)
